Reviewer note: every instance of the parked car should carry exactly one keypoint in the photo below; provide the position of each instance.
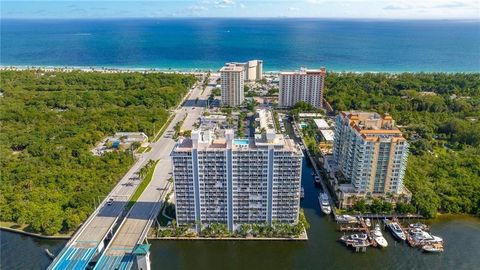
(110, 201)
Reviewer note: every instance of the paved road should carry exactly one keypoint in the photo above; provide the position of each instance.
(87, 240)
(142, 214)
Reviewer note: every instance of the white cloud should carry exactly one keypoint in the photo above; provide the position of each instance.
(242, 5)
(293, 9)
(224, 3)
(196, 9)
(397, 7)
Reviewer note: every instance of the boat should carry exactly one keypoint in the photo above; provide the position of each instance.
(346, 219)
(396, 230)
(317, 180)
(302, 193)
(421, 237)
(49, 253)
(324, 203)
(419, 225)
(378, 236)
(368, 222)
(433, 248)
(355, 237)
(357, 241)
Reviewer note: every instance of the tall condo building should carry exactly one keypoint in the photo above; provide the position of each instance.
(371, 152)
(220, 179)
(232, 77)
(253, 69)
(304, 85)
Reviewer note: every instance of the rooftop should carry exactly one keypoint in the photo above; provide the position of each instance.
(232, 67)
(321, 123)
(328, 134)
(371, 124)
(304, 70)
(215, 138)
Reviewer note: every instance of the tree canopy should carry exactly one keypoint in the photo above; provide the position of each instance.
(51, 120)
(439, 114)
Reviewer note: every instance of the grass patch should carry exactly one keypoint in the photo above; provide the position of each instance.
(142, 150)
(143, 185)
(164, 127)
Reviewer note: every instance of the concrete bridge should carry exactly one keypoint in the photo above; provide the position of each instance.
(109, 237)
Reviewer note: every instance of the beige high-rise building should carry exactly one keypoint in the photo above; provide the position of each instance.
(371, 152)
(232, 80)
(304, 85)
(253, 69)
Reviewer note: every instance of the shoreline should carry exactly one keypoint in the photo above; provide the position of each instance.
(441, 217)
(106, 69)
(303, 237)
(35, 235)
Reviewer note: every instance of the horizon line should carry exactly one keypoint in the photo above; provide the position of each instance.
(232, 18)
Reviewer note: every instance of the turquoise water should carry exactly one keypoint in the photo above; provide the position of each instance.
(353, 45)
(241, 141)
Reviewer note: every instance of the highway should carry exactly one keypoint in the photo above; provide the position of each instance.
(135, 227)
(89, 239)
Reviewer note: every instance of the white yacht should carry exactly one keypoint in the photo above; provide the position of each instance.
(396, 230)
(378, 236)
(356, 240)
(423, 237)
(324, 203)
(346, 219)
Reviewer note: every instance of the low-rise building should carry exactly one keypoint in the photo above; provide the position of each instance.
(131, 137)
(321, 123)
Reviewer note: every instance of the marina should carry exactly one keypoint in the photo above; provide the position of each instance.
(415, 234)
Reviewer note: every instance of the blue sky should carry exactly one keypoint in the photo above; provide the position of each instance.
(375, 9)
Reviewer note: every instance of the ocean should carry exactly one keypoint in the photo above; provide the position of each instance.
(283, 44)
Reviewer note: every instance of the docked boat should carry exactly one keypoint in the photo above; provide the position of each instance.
(433, 248)
(421, 237)
(378, 236)
(368, 222)
(356, 240)
(419, 225)
(302, 193)
(346, 219)
(324, 203)
(396, 230)
(355, 237)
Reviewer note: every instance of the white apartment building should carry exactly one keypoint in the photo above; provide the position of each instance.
(253, 69)
(304, 85)
(232, 80)
(371, 152)
(220, 179)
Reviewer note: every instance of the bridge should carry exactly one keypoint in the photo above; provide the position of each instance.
(112, 232)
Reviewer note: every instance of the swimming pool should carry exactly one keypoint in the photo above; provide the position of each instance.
(241, 141)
